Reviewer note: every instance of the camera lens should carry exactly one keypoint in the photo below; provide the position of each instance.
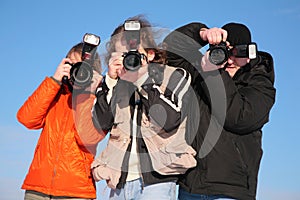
(217, 56)
(81, 74)
(132, 61)
(218, 53)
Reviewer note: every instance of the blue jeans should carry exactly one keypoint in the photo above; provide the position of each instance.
(184, 195)
(135, 190)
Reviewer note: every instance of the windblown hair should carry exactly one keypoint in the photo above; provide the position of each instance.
(146, 38)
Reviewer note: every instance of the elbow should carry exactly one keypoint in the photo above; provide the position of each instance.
(23, 120)
(29, 122)
(245, 127)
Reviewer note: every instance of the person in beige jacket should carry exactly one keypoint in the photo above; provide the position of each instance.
(144, 110)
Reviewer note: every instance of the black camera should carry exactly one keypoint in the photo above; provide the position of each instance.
(132, 59)
(221, 52)
(81, 73)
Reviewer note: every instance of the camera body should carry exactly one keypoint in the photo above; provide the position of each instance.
(220, 53)
(81, 73)
(132, 59)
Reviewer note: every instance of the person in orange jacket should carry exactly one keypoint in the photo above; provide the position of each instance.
(68, 141)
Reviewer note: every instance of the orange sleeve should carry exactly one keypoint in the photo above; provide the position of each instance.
(33, 112)
(89, 136)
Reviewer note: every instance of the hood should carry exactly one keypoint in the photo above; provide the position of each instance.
(264, 61)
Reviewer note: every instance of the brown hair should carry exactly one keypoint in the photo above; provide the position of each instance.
(146, 36)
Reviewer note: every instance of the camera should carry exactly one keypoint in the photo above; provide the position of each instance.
(132, 59)
(221, 52)
(81, 73)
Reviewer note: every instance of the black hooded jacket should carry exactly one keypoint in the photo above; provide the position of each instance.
(233, 111)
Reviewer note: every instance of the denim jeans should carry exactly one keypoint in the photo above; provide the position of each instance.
(134, 190)
(184, 195)
(33, 195)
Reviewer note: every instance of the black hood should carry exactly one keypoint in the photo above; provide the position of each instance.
(264, 60)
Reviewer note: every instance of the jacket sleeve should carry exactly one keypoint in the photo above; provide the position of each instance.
(102, 115)
(164, 107)
(183, 45)
(248, 101)
(33, 112)
(89, 136)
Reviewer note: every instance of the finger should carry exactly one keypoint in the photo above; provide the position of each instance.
(115, 60)
(66, 61)
(224, 35)
(67, 67)
(214, 37)
(65, 73)
(219, 37)
(116, 55)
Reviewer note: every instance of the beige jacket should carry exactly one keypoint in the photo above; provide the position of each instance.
(169, 153)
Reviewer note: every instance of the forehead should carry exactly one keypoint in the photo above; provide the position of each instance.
(121, 45)
(75, 56)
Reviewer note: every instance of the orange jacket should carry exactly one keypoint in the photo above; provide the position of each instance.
(67, 144)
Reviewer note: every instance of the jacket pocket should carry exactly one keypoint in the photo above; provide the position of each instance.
(171, 155)
(107, 166)
(226, 164)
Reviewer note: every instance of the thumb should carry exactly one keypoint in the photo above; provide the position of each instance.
(206, 64)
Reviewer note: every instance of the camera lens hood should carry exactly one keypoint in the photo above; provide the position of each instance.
(218, 54)
(132, 60)
(81, 74)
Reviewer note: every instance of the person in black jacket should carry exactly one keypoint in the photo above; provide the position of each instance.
(235, 99)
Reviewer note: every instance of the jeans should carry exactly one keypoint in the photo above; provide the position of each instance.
(33, 195)
(184, 195)
(134, 190)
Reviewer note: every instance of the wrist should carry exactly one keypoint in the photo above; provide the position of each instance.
(57, 81)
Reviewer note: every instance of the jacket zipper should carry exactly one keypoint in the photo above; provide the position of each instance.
(60, 139)
(56, 161)
(135, 125)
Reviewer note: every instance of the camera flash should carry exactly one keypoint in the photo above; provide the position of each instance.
(91, 39)
(252, 50)
(132, 25)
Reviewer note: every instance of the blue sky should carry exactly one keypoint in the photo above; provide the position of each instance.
(36, 35)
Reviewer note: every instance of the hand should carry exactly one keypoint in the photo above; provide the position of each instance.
(115, 65)
(207, 65)
(63, 69)
(213, 35)
(97, 78)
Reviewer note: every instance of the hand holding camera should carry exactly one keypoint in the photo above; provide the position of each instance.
(115, 68)
(63, 70)
(81, 73)
(207, 65)
(220, 53)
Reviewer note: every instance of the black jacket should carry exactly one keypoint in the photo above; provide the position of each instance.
(233, 111)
